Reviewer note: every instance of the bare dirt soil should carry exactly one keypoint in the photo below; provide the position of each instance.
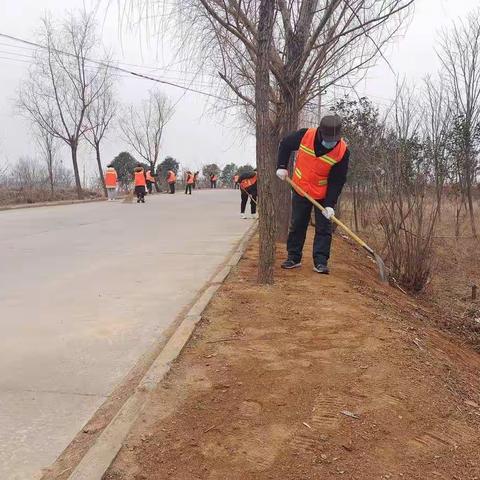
(316, 377)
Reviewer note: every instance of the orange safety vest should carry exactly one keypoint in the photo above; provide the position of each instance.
(140, 179)
(190, 179)
(235, 178)
(248, 182)
(172, 178)
(214, 178)
(311, 172)
(111, 178)
(149, 176)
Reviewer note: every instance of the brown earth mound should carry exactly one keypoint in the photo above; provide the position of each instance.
(316, 377)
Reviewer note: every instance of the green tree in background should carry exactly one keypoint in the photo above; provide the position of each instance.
(245, 169)
(207, 170)
(168, 164)
(227, 174)
(124, 164)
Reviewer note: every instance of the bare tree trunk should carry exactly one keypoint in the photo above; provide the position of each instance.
(100, 169)
(78, 183)
(470, 205)
(50, 172)
(288, 124)
(266, 176)
(355, 212)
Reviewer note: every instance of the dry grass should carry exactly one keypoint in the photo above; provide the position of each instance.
(456, 267)
(13, 196)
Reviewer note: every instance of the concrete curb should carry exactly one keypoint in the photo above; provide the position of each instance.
(101, 454)
(50, 204)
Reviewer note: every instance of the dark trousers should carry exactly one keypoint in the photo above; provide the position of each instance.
(244, 200)
(172, 187)
(140, 192)
(213, 184)
(237, 186)
(301, 212)
(149, 187)
(188, 188)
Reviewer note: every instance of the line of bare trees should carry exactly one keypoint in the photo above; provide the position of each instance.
(418, 160)
(69, 97)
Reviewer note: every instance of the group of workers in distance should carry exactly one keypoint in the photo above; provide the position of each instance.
(144, 181)
(320, 170)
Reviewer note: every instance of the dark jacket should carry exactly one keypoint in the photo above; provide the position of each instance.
(338, 173)
(252, 189)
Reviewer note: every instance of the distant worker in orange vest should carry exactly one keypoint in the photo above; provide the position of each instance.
(111, 182)
(171, 180)
(320, 170)
(213, 180)
(189, 182)
(195, 179)
(248, 190)
(140, 183)
(236, 185)
(150, 181)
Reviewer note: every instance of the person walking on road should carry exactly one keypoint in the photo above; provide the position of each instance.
(213, 180)
(171, 180)
(188, 183)
(236, 185)
(150, 181)
(140, 183)
(195, 179)
(320, 170)
(111, 182)
(248, 190)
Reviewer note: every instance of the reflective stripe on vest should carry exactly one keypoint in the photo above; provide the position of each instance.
(248, 182)
(110, 178)
(311, 172)
(172, 178)
(140, 179)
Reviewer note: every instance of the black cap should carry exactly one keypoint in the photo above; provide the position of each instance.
(331, 128)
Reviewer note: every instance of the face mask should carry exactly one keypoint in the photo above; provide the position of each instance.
(328, 145)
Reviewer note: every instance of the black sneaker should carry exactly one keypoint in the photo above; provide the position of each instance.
(321, 268)
(289, 264)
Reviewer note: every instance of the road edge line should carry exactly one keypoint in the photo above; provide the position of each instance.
(102, 453)
(54, 203)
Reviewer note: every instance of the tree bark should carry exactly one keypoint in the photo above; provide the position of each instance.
(100, 169)
(470, 206)
(265, 164)
(355, 212)
(50, 172)
(78, 183)
(288, 124)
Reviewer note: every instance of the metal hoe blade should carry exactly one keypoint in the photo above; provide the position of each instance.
(382, 270)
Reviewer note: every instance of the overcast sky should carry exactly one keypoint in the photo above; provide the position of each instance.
(194, 136)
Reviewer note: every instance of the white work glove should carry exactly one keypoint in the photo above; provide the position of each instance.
(328, 213)
(282, 173)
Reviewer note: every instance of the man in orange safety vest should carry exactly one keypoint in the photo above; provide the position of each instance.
(320, 170)
(111, 181)
(171, 180)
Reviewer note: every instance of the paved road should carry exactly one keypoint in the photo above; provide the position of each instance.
(84, 291)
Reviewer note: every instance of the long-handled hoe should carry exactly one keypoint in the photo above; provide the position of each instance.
(251, 198)
(381, 265)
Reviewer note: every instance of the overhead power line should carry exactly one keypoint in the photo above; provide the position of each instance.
(113, 67)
